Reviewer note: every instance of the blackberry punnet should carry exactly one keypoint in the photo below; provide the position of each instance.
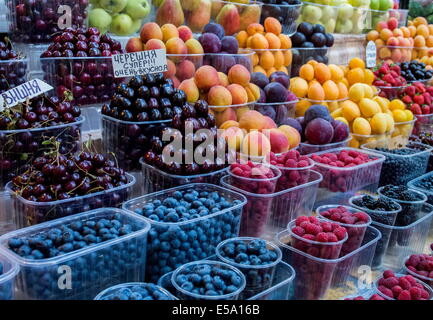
(13, 67)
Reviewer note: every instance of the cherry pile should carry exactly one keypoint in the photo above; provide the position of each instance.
(88, 80)
(34, 21)
(12, 69)
(418, 98)
(145, 98)
(401, 288)
(421, 264)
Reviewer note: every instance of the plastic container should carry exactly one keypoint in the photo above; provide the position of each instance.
(8, 275)
(402, 132)
(195, 239)
(293, 177)
(426, 287)
(157, 180)
(359, 139)
(15, 161)
(282, 60)
(266, 214)
(316, 276)
(258, 277)
(306, 148)
(416, 185)
(300, 56)
(392, 93)
(400, 169)
(13, 73)
(6, 217)
(89, 270)
(89, 80)
(277, 111)
(27, 213)
(255, 185)
(404, 240)
(195, 266)
(286, 14)
(128, 140)
(320, 14)
(378, 16)
(424, 123)
(352, 20)
(387, 218)
(235, 17)
(32, 22)
(106, 294)
(400, 15)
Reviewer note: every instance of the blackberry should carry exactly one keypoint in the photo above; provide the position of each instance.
(401, 193)
(377, 204)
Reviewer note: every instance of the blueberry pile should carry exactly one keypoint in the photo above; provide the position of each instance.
(399, 167)
(207, 279)
(415, 71)
(138, 291)
(12, 69)
(284, 11)
(98, 268)
(145, 98)
(170, 244)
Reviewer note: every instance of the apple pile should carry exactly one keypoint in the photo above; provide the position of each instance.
(120, 17)
(418, 98)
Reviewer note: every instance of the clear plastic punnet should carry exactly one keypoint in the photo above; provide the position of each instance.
(110, 293)
(9, 271)
(307, 148)
(286, 14)
(172, 244)
(417, 184)
(277, 111)
(92, 268)
(27, 213)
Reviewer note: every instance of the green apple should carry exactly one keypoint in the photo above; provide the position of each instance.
(360, 3)
(329, 25)
(345, 11)
(343, 26)
(385, 5)
(122, 25)
(136, 25)
(329, 13)
(311, 14)
(374, 4)
(137, 9)
(113, 6)
(338, 2)
(100, 19)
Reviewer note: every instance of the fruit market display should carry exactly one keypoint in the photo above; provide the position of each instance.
(13, 67)
(121, 18)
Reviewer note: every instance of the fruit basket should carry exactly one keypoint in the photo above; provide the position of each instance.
(316, 277)
(88, 80)
(307, 149)
(352, 20)
(230, 277)
(28, 213)
(32, 145)
(92, 267)
(277, 111)
(268, 61)
(234, 16)
(378, 289)
(135, 291)
(258, 277)
(393, 53)
(423, 184)
(403, 164)
(32, 22)
(128, 140)
(286, 14)
(13, 73)
(403, 240)
(157, 180)
(301, 56)
(8, 273)
(325, 15)
(192, 239)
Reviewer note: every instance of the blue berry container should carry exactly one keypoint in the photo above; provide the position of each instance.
(199, 268)
(419, 185)
(81, 274)
(172, 244)
(258, 277)
(8, 273)
(125, 291)
(28, 213)
(157, 180)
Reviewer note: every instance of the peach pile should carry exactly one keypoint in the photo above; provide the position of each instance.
(258, 135)
(270, 45)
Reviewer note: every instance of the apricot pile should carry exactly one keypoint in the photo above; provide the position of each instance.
(272, 48)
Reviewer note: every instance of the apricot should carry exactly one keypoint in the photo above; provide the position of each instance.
(171, 69)
(252, 120)
(229, 124)
(419, 41)
(228, 114)
(190, 88)
(176, 82)
(224, 80)
(239, 94)
(219, 96)
(194, 47)
(392, 42)
(316, 92)
(286, 42)
(350, 110)
(278, 139)
(242, 37)
(378, 123)
(336, 73)
(412, 30)
(239, 74)
(385, 34)
(185, 70)
(369, 107)
(381, 25)
(405, 31)
(397, 33)
(233, 136)
(396, 55)
(154, 44)
(169, 31)
(419, 21)
(273, 41)
(372, 35)
(356, 92)
(361, 126)
(176, 46)
(299, 87)
(258, 41)
(287, 57)
(355, 75)
(322, 72)
(255, 59)
(307, 72)
(272, 25)
(342, 90)
(253, 92)
(206, 77)
(254, 28)
(150, 30)
(256, 144)
(134, 45)
(278, 59)
(185, 33)
(292, 135)
(259, 69)
(266, 60)
(240, 111)
(368, 76)
(283, 69)
(331, 90)
(384, 53)
(356, 63)
(301, 107)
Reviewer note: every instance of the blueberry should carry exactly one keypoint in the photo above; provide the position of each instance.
(15, 243)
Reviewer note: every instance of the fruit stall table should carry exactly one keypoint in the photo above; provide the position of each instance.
(346, 47)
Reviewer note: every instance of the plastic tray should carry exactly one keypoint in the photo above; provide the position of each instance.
(279, 112)
(400, 169)
(315, 277)
(266, 214)
(128, 144)
(13, 73)
(157, 180)
(402, 132)
(7, 277)
(15, 161)
(256, 185)
(195, 239)
(403, 241)
(415, 184)
(104, 295)
(425, 279)
(359, 139)
(91, 269)
(28, 213)
(65, 74)
(286, 14)
(306, 148)
(300, 56)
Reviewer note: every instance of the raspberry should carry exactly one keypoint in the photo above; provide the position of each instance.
(391, 282)
(348, 220)
(340, 232)
(376, 297)
(313, 229)
(313, 220)
(388, 274)
(291, 163)
(326, 226)
(322, 237)
(386, 291)
(298, 231)
(308, 237)
(332, 237)
(362, 216)
(301, 219)
(396, 290)
(411, 280)
(292, 154)
(425, 294)
(415, 293)
(404, 295)
(404, 283)
(335, 216)
(358, 298)
(304, 224)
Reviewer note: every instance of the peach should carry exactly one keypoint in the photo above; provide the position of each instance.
(224, 80)
(134, 45)
(229, 124)
(150, 30)
(256, 144)
(227, 115)
(239, 74)
(194, 47)
(292, 134)
(242, 37)
(278, 139)
(185, 33)
(234, 137)
(169, 31)
(253, 92)
(273, 41)
(239, 94)
(190, 89)
(206, 77)
(185, 70)
(269, 123)
(154, 44)
(240, 111)
(176, 46)
(219, 96)
(381, 25)
(252, 120)
(392, 41)
(171, 69)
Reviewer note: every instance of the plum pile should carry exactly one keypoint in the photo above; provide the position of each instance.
(286, 12)
(34, 21)
(397, 287)
(137, 291)
(415, 71)
(13, 69)
(88, 80)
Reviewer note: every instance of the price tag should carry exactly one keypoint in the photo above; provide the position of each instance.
(139, 63)
(21, 93)
(370, 54)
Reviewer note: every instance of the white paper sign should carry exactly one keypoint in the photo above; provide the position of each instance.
(139, 63)
(28, 90)
(370, 54)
